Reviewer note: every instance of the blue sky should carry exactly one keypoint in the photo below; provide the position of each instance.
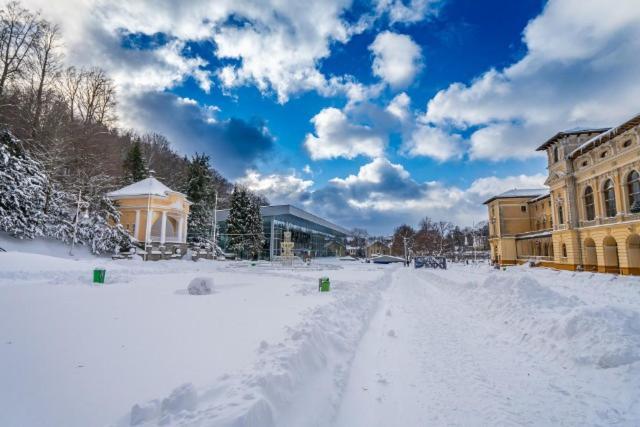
(371, 113)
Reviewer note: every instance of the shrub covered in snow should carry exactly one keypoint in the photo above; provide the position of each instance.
(201, 286)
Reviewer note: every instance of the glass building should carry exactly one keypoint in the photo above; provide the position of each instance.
(312, 236)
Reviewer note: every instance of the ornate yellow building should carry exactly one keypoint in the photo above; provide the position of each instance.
(589, 217)
(153, 213)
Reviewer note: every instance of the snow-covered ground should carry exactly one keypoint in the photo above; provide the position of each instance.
(387, 346)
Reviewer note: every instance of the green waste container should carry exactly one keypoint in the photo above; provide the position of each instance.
(98, 275)
(323, 284)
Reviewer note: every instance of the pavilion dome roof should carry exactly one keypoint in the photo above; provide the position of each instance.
(147, 187)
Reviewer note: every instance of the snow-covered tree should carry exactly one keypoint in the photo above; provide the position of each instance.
(31, 206)
(22, 190)
(201, 192)
(244, 226)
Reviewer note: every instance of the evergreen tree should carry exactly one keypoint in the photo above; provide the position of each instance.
(244, 226)
(256, 237)
(134, 165)
(239, 222)
(201, 193)
(22, 190)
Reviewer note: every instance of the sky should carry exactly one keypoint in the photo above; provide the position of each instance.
(369, 113)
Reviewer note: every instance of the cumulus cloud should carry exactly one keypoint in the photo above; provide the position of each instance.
(278, 188)
(335, 137)
(383, 194)
(401, 11)
(431, 141)
(396, 58)
(580, 70)
(236, 145)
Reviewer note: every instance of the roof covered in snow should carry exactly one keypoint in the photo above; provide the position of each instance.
(147, 187)
(520, 193)
(606, 136)
(564, 133)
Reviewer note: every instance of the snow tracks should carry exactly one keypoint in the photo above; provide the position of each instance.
(295, 382)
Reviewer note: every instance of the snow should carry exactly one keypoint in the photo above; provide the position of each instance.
(148, 186)
(389, 345)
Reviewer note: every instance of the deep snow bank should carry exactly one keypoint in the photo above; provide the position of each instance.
(606, 335)
(293, 381)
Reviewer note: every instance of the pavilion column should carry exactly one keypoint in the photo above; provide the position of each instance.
(180, 221)
(184, 229)
(147, 230)
(136, 229)
(163, 229)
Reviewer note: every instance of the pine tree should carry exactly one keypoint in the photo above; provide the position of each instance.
(256, 231)
(201, 193)
(134, 165)
(22, 190)
(244, 226)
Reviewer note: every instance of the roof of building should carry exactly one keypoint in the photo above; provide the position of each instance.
(276, 210)
(520, 193)
(564, 133)
(540, 197)
(147, 187)
(605, 136)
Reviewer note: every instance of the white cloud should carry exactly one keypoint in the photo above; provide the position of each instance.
(400, 107)
(278, 188)
(397, 58)
(410, 11)
(382, 195)
(431, 141)
(335, 137)
(580, 70)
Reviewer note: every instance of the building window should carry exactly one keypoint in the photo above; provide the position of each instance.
(523, 208)
(544, 223)
(609, 199)
(555, 154)
(560, 215)
(589, 205)
(633, 185)
(603, 154)
(564, 250)
(585, 163)
(627, 143)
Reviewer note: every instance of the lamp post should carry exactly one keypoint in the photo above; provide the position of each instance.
(80, 205)
(215, 221)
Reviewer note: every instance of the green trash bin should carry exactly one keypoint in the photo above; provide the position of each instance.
(323, 284)
(98, 275)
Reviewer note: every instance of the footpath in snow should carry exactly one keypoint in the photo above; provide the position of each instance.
(474, 346)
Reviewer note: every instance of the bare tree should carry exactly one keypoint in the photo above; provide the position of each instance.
(46, 66)
(70, 87)
(96, 98)
(19, 33)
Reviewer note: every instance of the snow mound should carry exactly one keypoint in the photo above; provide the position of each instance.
(182, 399)
(558, 325)
(201, 286)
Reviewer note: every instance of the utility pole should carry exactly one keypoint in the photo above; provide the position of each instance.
(406, 261)
(215, 221)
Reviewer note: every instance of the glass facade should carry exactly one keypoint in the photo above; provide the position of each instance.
(312, 236)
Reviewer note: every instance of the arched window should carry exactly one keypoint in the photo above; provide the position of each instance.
(609, 199)
(560, 215)
(544, 223)
(555, 154)
(589, 205)
(564, 250)
(633, 185)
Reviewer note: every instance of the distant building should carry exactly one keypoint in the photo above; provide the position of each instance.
(378, 248)
(152, 212)
(588, 217)
(312, 236)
